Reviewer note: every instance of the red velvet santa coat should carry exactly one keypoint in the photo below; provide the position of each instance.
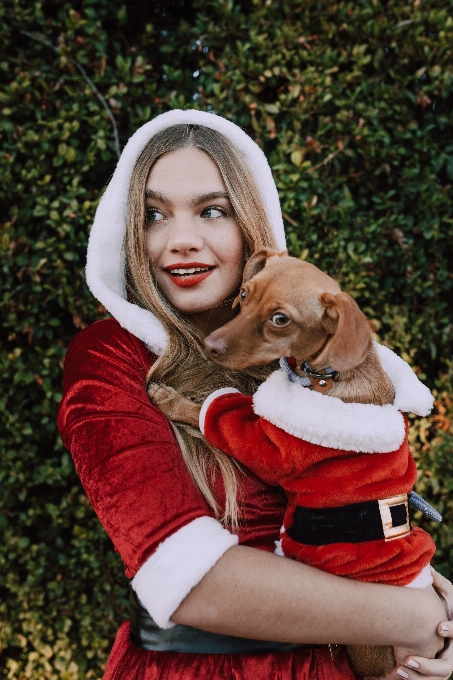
(321, 472)
(133, 472)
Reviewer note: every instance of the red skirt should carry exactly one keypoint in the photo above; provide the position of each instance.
(128, 662)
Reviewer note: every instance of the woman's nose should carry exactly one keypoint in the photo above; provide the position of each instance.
(184, 236)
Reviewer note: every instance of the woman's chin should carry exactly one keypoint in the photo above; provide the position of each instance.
(195, 300)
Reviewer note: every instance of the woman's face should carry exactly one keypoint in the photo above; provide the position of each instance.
(194, 244)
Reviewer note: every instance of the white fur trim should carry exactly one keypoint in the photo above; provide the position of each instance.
(328, 421)
(411, 395)
(278, 549)
(208, 401)
(425, 578)
(178, 564)
(105, 259)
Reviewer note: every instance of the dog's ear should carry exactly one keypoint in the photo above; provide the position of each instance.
(258, 260)
(352, 339)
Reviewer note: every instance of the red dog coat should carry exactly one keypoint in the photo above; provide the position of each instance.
(325, 453)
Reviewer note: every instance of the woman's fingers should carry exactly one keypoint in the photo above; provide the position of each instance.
(445, 630)
(417, 667)
(428, 669)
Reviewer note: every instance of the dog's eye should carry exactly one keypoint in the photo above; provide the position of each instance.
(280, 319)
(243, 295)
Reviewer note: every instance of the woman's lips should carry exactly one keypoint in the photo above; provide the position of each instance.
(190, 279)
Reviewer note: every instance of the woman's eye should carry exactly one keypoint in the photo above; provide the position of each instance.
(213, 213)
(153, 215)
(280, 319)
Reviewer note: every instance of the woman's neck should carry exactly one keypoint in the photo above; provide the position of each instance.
(210, 319)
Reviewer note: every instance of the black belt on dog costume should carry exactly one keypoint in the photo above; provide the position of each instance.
(358, 522)
(146, 634)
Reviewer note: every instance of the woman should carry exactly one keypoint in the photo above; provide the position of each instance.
(191, 198)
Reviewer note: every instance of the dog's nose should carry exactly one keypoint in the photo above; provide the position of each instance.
(215, 347)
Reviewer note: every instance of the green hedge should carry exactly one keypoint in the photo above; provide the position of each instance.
(352, 102)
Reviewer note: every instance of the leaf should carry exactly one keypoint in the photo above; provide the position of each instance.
(297, 157)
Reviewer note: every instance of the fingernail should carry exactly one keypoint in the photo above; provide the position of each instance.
(412, 664)
(402, 673)
(444, 629)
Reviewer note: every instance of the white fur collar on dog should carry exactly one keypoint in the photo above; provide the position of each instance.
(411, 395)
(330, 422)
(105, 260)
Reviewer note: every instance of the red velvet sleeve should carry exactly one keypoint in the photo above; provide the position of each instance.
(123, 447)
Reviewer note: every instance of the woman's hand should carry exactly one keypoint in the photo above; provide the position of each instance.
(412, 667)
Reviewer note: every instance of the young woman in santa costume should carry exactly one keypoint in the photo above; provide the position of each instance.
(192, 197)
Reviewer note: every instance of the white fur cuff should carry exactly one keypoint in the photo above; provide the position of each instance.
(178, 564)
(208, 401)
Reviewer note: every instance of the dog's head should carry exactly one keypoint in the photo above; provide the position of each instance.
(290, 308)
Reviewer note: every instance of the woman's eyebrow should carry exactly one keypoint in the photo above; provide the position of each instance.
(149, 193)
(202, 198)
(208, 197)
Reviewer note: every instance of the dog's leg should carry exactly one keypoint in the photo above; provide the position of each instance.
(174, 405)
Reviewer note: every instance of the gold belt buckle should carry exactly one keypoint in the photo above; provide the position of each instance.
(391, 532)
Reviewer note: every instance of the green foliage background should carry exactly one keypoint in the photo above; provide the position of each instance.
(351, 101)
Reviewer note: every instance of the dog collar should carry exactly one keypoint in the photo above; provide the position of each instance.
(321, 382)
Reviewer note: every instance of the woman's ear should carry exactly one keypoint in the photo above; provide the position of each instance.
(258, 260)
(350, 329)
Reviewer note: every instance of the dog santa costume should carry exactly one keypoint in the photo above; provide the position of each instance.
(132, 469)
(338, 463)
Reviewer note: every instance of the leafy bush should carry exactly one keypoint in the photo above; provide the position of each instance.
(352, 103)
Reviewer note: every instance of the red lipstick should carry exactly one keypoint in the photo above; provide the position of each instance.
(184, 278)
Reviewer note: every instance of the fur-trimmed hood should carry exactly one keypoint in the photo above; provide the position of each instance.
(106, 255)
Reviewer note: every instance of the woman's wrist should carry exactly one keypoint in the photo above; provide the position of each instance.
(425, 639)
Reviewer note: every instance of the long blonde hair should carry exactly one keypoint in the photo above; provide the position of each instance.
(200, 376)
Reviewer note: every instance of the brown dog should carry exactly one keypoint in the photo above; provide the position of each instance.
(289, 308)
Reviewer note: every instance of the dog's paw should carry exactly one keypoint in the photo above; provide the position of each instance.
(174, 405)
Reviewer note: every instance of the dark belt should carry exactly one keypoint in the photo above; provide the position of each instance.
(355, 523)
(146, 634)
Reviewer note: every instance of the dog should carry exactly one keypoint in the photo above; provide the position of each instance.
(326, 427)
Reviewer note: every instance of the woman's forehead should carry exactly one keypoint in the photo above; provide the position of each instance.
(188, 173)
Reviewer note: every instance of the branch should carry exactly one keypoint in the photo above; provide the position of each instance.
(289, 219)
(406, 22)
(326, 160)
(87, 79)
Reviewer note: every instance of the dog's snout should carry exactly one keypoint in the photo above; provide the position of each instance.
(215, 347)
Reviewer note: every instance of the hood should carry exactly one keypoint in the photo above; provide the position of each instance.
(106, 256)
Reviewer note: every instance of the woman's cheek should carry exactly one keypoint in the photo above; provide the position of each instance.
(233, 245)
(153, 246)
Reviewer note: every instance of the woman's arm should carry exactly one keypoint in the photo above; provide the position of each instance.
(250, 593)
(258, 595)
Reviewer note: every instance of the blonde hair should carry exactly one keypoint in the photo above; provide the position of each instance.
(200, 375)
